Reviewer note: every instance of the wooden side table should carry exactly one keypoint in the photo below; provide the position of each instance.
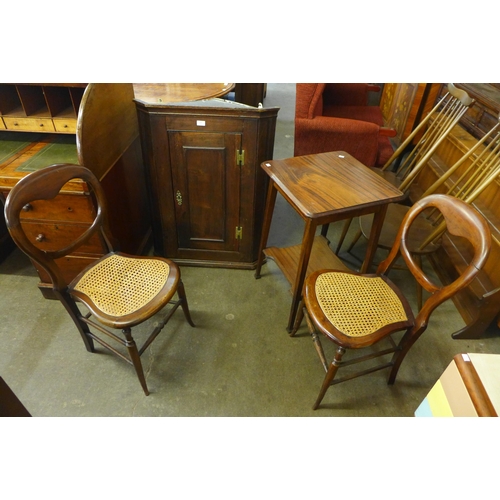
(322, 188)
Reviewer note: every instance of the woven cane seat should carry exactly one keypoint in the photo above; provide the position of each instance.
(120, 285)
(358, 305)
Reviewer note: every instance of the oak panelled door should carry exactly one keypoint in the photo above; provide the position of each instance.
(207, 189)
(206, 185)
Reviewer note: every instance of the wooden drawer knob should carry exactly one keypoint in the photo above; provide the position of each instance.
(28, 207)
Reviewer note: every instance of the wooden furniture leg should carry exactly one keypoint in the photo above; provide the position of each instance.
(305, 253)
(378, 221)
(266, 226)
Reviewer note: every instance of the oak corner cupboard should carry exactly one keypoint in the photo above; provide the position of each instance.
(206, 185)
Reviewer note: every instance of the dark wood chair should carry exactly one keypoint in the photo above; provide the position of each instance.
(359, 310)
(119, 290)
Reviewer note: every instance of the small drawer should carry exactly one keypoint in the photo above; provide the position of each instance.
(52, 237)
(29, 124)
(64, 207)
(65, 126)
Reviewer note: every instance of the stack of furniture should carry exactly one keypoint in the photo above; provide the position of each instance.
(104, 119)
(43, 107)
(479, 304)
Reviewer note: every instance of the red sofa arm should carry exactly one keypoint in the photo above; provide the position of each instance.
(322, 134)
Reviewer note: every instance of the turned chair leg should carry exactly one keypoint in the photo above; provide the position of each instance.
(135, 358)
(405, 344)
(75, 314)
(184, 304)
(330, 374)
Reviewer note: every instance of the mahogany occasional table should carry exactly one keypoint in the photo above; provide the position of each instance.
(322, 188)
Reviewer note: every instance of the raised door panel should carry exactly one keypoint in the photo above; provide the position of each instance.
(206, 188)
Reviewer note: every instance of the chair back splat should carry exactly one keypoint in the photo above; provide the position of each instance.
(120, 291)
(356, 310)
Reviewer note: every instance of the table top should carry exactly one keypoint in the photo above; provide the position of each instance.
(329, 183)
(164, 93)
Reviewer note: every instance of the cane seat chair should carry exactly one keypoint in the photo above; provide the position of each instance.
(357, 311)
(119, 290)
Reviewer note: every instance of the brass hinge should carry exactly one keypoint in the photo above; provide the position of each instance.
(238, 234)
(240, 158)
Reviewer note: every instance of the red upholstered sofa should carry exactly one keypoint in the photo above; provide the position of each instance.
(337, 117)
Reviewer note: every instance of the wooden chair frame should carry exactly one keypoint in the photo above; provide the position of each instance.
(45, 184)
(461, 220)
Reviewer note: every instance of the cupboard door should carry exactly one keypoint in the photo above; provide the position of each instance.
(206, 189)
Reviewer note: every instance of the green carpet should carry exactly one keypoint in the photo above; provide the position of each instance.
(12, 143)
(61, 150)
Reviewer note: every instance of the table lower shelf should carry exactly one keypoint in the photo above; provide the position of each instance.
(322, 257)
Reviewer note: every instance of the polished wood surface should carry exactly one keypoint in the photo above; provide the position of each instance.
(207, 189)
(108, 143)
(165, 93)
(329, 183)
(461, 220)
(40, 107)
(321, 257)
(324, 188)
(114, 294)
(96, 147)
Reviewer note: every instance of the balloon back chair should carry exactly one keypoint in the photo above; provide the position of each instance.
(120, 291)
(357, 311)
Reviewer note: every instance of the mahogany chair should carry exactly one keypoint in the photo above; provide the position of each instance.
(120, 291)
(356, 311)
(337, 117)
